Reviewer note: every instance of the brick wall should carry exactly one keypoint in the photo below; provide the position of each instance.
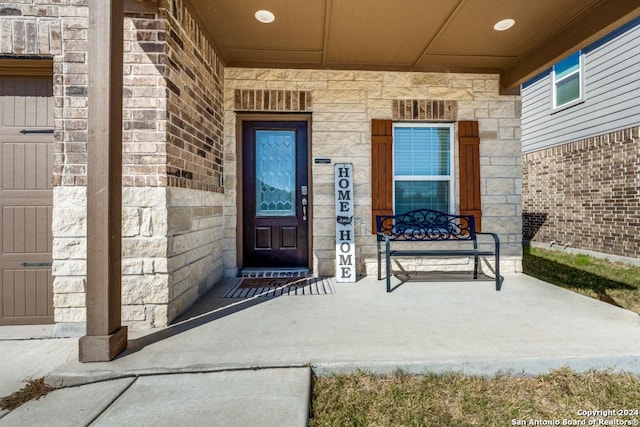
(342, 106)
(194, 75)
(58, 30)
(144, 118)
(585, 194)
(172, 155)
(33, 27)
(172, 91)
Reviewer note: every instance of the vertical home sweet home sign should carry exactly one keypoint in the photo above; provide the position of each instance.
(345, 236)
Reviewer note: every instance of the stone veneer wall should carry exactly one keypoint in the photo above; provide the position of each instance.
(172, 155)
(585, 194)
(343, 104)
(194, 111)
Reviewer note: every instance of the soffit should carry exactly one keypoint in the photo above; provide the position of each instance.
(412, 35)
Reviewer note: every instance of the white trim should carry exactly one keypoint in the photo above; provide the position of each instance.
(554, 82)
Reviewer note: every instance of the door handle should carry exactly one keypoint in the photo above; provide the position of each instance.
(304, 208)
(37, 264)
(26, 131)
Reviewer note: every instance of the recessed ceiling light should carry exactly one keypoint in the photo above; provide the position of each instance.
(503, 25)
(265, 16)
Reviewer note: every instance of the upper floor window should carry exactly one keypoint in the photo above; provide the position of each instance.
(567, 81)
(423, 167)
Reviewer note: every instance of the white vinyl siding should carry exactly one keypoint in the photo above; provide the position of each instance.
(612, 102)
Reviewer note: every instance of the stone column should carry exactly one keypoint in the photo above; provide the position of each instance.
(106, 337)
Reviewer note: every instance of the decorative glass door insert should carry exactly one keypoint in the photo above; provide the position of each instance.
(275, 173)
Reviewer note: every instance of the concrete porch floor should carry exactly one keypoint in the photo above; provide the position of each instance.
(528, 327)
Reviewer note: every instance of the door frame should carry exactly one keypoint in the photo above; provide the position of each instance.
(269, 117)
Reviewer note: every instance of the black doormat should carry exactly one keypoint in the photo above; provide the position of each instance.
(250, 287)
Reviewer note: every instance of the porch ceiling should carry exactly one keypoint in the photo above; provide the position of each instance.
(412, 35)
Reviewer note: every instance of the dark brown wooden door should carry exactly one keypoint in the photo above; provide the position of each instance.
(275, 194)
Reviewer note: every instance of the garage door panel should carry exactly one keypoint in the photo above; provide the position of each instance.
(18, 101)
(19, 167)
(8, 293)
(42, 236)
(27, 166)
(30, 238)
(17, 290)
(30, 171)
(44, 166)
(7, 229)
(26, 296)
(44, 111)
(45, 293)
(26, 230)
(45, 234)
(8, 92)
(12, 227)
(26, 199)
(27, 102)
(30, 293)
(13, 156)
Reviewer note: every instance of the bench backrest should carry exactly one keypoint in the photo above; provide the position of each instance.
(426, 224)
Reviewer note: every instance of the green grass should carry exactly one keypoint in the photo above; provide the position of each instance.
(615, 283)
(458, 400)
(461, 400)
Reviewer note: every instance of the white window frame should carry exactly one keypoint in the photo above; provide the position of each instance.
(449, 178)
(554, 83)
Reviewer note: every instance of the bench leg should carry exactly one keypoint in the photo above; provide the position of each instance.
(388, 265)
(475, 267)
(498, 282)
(379, 263)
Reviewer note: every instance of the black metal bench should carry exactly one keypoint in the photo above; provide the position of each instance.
(425, 225)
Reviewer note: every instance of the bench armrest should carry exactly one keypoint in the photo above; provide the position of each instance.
(496, 239)
(497, 254)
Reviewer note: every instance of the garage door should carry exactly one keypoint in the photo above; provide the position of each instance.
(26, 160)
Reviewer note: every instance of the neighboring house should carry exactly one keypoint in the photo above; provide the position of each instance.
(581, 149)
(219, 156)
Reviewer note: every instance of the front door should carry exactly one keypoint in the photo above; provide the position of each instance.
(275, 194)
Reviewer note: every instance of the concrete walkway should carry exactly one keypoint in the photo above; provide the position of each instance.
(267, 397)
(212, 354)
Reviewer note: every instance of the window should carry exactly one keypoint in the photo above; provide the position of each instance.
(422, 167)
(382, 168)
(567, 81)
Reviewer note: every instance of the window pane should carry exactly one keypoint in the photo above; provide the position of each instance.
(568, 90)
(567, 66)
(275, 173)
(421, 151)
(411, 195)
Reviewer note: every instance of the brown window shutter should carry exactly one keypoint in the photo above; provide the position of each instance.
(469, 151)
(381, 169)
